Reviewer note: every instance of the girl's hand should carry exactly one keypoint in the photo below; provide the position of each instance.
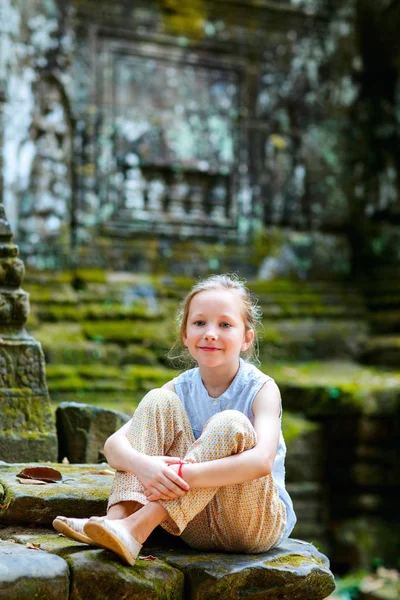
(160, 481)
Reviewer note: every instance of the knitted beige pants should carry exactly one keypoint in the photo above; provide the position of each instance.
(247, 517)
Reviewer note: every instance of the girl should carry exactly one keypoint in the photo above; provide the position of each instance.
(204, 455)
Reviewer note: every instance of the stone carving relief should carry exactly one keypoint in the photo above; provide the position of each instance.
(6, 369)
(166, 158)
(29, 371)
(45, 197)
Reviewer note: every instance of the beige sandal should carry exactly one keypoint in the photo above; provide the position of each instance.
(109, 534)
(73, 528)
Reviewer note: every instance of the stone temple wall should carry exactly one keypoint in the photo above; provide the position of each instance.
(174, 121)
(207, 120)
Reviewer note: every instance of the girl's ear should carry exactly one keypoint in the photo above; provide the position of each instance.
(248, 340)
(184, 338)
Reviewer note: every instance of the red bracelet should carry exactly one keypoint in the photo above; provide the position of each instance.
(181, 463)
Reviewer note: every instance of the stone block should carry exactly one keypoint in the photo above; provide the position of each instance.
(293, 571)
(98, 574)
(27, 428)
(27, 573)
(83, 492)
(83, 429)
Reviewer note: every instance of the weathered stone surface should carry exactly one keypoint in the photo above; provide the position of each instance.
(27, 573)
(294, 571)
(11, 271)
(83, 429)
(27, 426)
(99, 574)
(83, 493)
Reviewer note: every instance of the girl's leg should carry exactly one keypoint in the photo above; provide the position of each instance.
(248, 517)
(160, 427)
(226, 433)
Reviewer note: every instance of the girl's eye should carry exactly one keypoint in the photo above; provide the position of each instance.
(226, 325)
(199, 323)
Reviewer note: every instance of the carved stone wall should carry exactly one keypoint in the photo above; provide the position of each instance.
(207, 120)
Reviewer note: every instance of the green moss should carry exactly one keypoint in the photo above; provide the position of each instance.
(139, 355)
(91, 275)
(25, 413)
(152, 335)
(94, 312)
(59, 334)
(293, 560)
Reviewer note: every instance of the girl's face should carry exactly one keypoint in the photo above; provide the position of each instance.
(215, 329)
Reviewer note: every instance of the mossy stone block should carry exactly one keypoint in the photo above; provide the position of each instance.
(99, 574)
(293, 571)
(27, 573)
(83, 492)
(83, 429)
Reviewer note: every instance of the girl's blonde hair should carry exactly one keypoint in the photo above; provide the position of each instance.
(251, 313)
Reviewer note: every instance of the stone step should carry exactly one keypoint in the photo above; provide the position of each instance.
(293, 570)
(314, 388)
(83, 492)
(27, 573)
(309, 339)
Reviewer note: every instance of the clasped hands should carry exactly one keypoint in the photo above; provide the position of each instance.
(159, 477)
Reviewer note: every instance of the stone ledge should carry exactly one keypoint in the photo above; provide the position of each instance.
(35, 574)
(83, 493)
(294, 571)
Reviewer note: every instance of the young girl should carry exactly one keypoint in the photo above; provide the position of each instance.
(204, 455)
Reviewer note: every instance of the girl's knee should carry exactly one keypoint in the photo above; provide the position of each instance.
(231, 422)
(231, 417)
(160, 398)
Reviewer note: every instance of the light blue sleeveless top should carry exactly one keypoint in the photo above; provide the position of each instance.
(240, 395)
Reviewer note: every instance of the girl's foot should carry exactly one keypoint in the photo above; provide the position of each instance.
(73, 528)
(113, 536)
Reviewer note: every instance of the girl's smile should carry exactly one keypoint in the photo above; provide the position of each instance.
(208, 349)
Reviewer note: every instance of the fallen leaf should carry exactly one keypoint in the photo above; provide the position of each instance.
(101, 472)
(32, 546)
(12, 541)
(46, 474)
(149, 557)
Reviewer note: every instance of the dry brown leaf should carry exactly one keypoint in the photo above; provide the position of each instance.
(46, 474)
(12, 541)
(101, 472)
(32, 546)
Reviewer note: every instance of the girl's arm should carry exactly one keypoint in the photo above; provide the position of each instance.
(153, 472)
(250, 464)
